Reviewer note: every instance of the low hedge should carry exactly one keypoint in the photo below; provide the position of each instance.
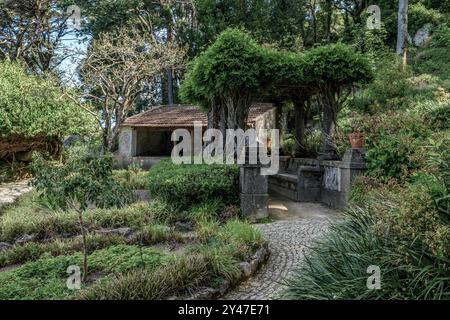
(185, 185)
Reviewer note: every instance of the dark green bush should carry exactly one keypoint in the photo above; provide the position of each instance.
(393, 141)
(187, 185)
(389, 157)
(388, 91)
(419, 15)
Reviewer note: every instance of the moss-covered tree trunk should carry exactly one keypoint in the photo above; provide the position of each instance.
(214, 117)
(237, 108)
(300, 115)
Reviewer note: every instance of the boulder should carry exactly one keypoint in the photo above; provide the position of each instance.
(422, 35)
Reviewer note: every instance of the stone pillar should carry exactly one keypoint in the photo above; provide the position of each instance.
(127, 145)
(353, 164)
(338, 177)
(253, 191)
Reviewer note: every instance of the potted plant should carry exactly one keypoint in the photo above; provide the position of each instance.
(357, 139)
(355, 132)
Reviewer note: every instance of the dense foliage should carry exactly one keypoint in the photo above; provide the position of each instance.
(85, 178)
(336, 268)
(399, 215)
(186, 185)
(34, 107)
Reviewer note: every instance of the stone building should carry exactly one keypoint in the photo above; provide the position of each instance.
(146, 137)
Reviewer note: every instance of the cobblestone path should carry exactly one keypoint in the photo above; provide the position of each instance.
(9, 192)
(287, 241)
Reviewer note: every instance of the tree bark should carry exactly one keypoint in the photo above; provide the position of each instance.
(402, 33)
(329, 111)
(329, 17)
(300, 115)
(170, 86)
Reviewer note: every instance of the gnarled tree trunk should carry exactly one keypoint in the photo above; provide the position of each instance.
(330, 107)
(300, 115)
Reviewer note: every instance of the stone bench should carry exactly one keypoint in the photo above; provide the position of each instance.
(311, 180)
(304, 185)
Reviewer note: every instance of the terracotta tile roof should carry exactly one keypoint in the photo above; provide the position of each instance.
(183, 116)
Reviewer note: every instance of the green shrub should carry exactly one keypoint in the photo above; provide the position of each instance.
(177, 276)
(85, 177)
(133, 179)
(221, 260)
(389, 90)
(289, 145)
(242, 236)
(187, 185)
(206, 229)
(313, 143)
(390, 156)
(394, 141)
(32, 106)
(208, 210)
(419, 15)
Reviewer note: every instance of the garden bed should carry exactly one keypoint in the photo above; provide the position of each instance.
(147, 250)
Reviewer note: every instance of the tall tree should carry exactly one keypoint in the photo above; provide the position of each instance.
(171, 21)
(402, 29)
(31, 31)
(118, 69)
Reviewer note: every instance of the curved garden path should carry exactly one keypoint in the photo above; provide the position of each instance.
(289, 236)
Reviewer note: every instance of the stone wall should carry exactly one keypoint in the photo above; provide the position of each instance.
(311, 180)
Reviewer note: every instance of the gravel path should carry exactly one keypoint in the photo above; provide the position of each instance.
(9, 192)
(288, 240)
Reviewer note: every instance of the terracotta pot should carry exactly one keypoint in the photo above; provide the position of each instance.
(357, 140)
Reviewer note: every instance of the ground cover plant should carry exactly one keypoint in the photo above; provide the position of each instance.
(143, 250)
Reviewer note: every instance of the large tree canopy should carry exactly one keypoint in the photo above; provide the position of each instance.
(236, 70)
(331, 72)
(32, 31)
(227, 77)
